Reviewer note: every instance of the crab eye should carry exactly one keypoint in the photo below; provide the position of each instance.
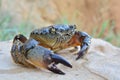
(72, 26)
(52, 30)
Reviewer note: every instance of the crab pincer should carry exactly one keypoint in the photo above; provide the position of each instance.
(85, 40)
(58, 59)
(41, 57)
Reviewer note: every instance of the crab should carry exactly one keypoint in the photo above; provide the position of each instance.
(61, 36)
(27, 52)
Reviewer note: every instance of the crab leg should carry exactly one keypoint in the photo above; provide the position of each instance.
(20, 37)
(85, 39)
(17, 57)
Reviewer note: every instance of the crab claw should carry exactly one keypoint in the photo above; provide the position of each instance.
(85, 39)
(54, 69)
(58, 59)
(83, 50)
(42, 57)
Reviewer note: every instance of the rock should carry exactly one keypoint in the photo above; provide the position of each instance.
(101, 63)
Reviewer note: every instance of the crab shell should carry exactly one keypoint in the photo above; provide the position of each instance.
(54, 36)
(61, 36)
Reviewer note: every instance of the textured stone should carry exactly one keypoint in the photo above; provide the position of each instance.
(101, 63)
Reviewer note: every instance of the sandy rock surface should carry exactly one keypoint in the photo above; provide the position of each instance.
(101, 63)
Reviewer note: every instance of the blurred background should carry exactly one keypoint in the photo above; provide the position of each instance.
(99, 18)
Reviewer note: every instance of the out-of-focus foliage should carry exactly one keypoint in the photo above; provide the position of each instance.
(7, 31)
(110, 37)
(94, 17)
